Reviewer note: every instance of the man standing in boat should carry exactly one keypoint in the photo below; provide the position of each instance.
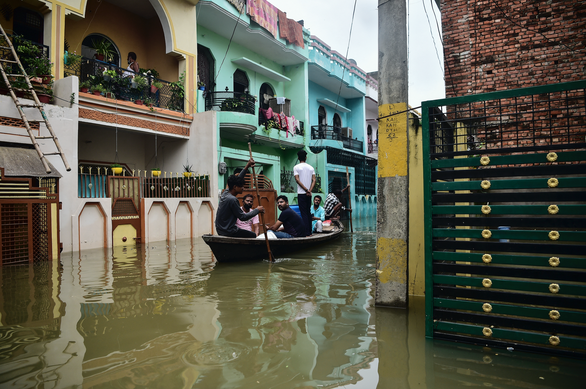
(292, 223)
(229, 208)
(250, 224)
(305, 177)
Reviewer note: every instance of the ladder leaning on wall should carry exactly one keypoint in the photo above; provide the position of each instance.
(37, 104)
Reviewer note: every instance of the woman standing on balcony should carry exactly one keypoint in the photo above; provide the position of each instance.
(132, 65)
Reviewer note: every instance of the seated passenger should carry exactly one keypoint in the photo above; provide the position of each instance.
(250, 224)
(333, 206)
(289, 219)
(229, 209)
(318, 215)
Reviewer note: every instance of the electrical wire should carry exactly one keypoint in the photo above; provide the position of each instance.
(228, 48)
(433, 38)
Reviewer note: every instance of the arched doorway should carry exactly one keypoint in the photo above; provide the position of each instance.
(322, 121)
(205, 67)
(337, 125)
(89, 42)
(266, 93)
(240, 81)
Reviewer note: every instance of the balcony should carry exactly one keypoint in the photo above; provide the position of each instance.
(95, 182)
(119, 83)
(228, 101)
(336, 133)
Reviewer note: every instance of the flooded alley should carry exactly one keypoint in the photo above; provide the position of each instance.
(172, 317)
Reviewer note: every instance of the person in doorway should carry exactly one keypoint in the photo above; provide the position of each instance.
(229, 209)
(289, 220)
(133, 67)
(250, 224)
(333, 205)
(305, 176)
(318, 215)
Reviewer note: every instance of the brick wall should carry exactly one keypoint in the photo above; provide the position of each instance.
(492, 45)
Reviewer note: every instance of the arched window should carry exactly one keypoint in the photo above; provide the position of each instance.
(205, 67)
(29, 24)
(88, 51)
(266, 93)
(240, 81)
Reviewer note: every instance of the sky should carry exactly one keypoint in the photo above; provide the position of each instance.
(330, 20)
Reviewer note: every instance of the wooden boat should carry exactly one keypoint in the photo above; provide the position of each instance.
(228, 249)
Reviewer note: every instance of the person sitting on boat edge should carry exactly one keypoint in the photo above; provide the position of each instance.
(333, 204)
(318, 215)
(250, 224)
(229, 208)
(289, 219)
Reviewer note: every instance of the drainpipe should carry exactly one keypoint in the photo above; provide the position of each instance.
(393, 178)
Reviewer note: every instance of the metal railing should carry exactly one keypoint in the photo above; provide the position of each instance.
(93, 183)
(230, 102)
(335, 133)
(121, 85)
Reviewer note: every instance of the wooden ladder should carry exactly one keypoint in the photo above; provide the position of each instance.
(37, 104)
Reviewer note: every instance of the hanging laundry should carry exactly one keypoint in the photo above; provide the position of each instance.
(290, 30)
(280, 100)
(239, 4)
(263, 13)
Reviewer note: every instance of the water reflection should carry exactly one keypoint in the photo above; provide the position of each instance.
(171, 317)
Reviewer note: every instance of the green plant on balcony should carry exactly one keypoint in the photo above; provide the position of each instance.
(98, 89)
(71, 59)
(151, 73)
(104, 50)
(109, 73)
(140, 82)
(177, 94)
(187, 172)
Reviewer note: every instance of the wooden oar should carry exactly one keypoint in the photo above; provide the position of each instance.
(262, 216)
(349, 198)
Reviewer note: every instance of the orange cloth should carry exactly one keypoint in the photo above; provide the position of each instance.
(290, 30)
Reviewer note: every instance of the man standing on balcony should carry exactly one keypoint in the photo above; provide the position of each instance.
(305, 176)
(229, 208)
(132, 65)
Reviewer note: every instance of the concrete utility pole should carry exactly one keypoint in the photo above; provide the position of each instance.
(393, 178)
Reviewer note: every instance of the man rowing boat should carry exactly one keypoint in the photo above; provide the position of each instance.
(229, 208)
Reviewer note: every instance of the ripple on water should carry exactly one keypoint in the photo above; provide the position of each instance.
(215, 353)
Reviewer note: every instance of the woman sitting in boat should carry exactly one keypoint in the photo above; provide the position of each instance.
(229, 208)
(289, 219)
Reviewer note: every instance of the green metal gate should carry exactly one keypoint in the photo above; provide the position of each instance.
(505, 218)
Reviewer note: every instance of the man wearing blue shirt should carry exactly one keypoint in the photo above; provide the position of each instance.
(318, 215)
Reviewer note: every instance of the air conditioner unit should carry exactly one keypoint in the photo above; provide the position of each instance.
(347, 132)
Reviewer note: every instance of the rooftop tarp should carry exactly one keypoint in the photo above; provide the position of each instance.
(21, 162)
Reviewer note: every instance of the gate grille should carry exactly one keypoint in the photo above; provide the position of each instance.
(15, 241)
(505, 218)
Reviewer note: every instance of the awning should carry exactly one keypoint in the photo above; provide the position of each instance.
(22, 162)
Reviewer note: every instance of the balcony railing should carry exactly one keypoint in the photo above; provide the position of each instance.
(121, 85)
(335, 133)
(93, 183)
(230, 102)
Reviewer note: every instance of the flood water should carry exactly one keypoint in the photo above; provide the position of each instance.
(172, 317)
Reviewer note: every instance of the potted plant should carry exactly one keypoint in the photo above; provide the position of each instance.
(84, 86)
(201, 85)
(140, 81)
(44, 93)
(109, 74)
(156, 86)
(156, 172)
(71, 59)
(116, 168)
(108, 93)
(97, 89)
(177, 94)
(187, 172)
(103, 48)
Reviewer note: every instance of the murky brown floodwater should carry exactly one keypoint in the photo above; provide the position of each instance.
(173, 318)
